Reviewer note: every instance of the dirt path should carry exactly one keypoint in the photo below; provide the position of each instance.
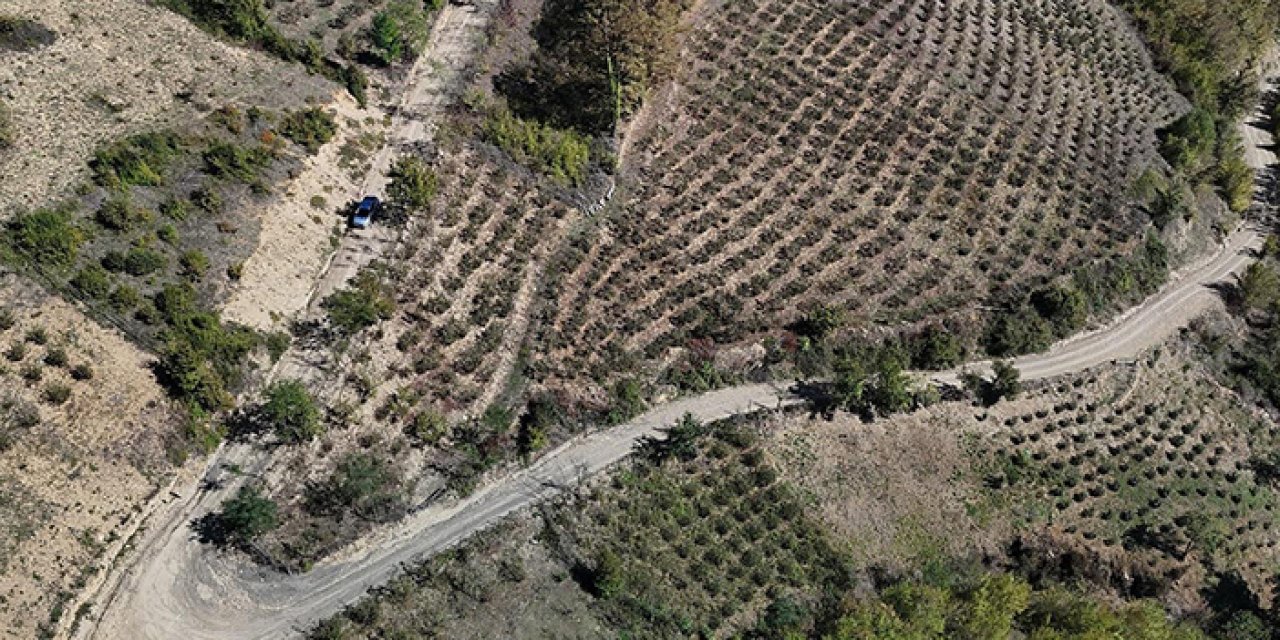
(188, 590)
(182, 589)
(455, 40)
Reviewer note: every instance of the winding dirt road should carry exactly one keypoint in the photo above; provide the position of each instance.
(183, 589)
(178, 588)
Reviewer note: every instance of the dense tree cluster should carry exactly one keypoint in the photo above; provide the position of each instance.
(595, 61)
(1211, 49)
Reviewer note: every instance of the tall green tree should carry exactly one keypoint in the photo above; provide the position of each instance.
(1259, 286)
(248, 515)
(291, 412)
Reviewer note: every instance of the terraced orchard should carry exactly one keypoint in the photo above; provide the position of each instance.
(472, 268)
(903, 160)
(1158, 464)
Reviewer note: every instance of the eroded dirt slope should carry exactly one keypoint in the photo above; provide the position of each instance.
(118, 67)
(73, 470)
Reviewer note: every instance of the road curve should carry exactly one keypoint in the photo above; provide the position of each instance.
(183, 589)
(178, 588)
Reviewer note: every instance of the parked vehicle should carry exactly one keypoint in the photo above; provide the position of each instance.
(362, 217)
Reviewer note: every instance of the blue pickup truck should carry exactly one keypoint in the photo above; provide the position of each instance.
(362, 217)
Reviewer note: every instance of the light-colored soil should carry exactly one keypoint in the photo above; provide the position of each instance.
(120, 67)
(295, 242)
(82, 471)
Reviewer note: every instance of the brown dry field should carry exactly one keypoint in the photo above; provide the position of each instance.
(120, 67)
(70, 487)
(1106, 452)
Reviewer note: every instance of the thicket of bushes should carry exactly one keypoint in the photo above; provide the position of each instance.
(594, 62)
(132, 265)
(1032, 323)
(201, 359)
(362, 304)
(1210, 48)
(138, 160)
(247, 22)
(562, 154)
(310, 128)
(45, 237)
(399, 31)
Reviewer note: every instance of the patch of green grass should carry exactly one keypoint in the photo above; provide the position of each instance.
(139, 160)
(310, 128)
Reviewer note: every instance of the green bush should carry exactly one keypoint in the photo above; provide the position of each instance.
(56, 357)
(56, 394)
(364, 303)
(16, 352)
(92, 281)
(412, 184)
(290, 412)
(8, 135)
(310, 128)
(230, 161)
(175, 209)
(201, 358)
(119, 214)
(138, 261)
(247, 516)
(244, 20)
(124, 298)
(207, 200)
(137, 160)
(1235, 178)
(168, 234)
(194, 264)
(38, 335)
(428, 426)
(1017, 331)
(357, 84)
(384, 35)
(935, 349)
(362, 484)
(561, 153)
(277, 342)
(1189, 142)
(399, 32)
(45, 237)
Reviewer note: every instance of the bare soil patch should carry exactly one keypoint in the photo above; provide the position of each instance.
(300, 227)
(74, 478)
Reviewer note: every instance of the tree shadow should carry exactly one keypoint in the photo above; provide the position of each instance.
(212, 529)
(818, 397)
(1229, 594)
(1231, 295)
(245, 424)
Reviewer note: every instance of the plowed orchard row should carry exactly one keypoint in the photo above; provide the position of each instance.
(903, 161)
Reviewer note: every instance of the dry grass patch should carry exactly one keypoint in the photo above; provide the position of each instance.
(119, 67)
(76, 473)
